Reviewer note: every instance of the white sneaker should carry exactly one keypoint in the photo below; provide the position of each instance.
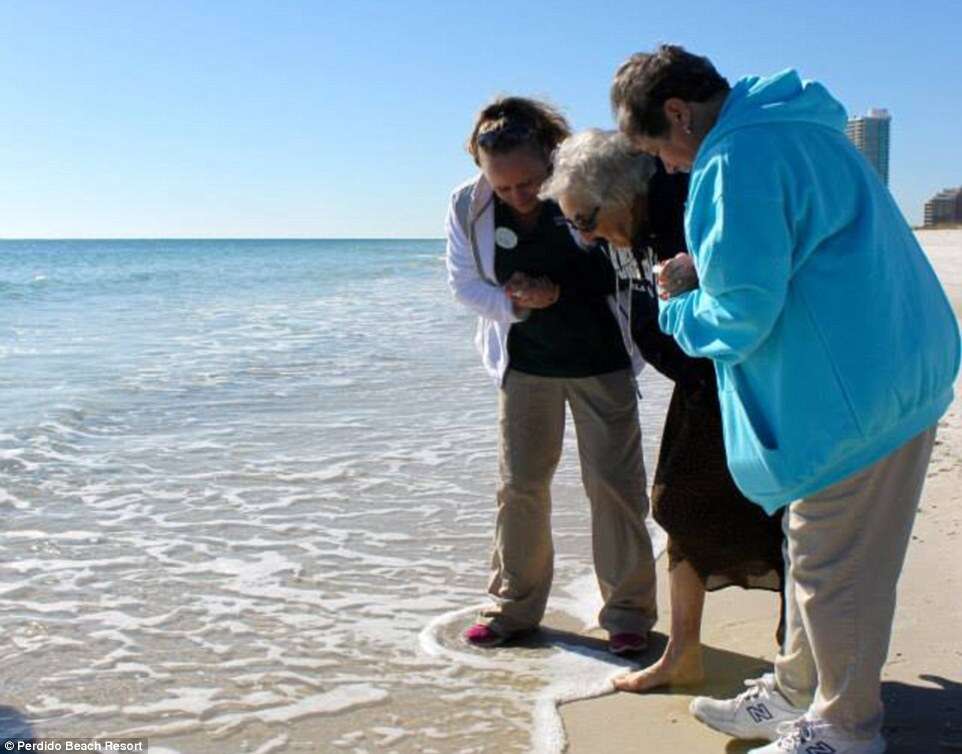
(806, 736)
(755, 713)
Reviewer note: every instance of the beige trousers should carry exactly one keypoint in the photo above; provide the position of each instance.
(532, 421)
(845, 547)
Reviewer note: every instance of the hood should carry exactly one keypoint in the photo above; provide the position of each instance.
(481, 197)
(782, 98)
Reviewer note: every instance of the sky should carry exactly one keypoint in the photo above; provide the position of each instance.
(322, 119)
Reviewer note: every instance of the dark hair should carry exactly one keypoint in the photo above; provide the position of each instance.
(513, 121)
(645, 81)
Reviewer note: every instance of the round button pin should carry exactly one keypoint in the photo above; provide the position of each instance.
(505, 238)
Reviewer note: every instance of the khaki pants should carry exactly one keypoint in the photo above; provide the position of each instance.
(532, 420)
(845, 547)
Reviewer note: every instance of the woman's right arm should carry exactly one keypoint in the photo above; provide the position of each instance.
(742, 250)
(468, 287)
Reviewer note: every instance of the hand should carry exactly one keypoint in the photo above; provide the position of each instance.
(527, 292)
(676, 276)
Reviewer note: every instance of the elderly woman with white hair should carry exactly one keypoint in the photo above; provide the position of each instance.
(717, 537)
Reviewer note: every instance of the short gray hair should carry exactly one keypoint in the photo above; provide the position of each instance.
(598, 168)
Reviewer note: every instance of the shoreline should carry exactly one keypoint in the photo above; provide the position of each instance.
(922, 678)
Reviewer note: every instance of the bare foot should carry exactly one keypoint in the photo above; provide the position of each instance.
(674, 668)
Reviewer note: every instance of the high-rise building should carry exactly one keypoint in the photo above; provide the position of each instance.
(945, 208)
(870, 135)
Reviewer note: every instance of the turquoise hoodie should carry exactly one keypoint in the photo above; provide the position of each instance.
(833, 341)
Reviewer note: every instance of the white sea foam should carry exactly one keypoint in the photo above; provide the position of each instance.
(573, 672)
(235, 490)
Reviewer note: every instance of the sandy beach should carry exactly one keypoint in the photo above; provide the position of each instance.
(922, 680)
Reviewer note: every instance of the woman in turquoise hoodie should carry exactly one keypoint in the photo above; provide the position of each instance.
(835, 350)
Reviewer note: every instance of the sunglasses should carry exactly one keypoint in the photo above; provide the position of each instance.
(585, 223)
(507, 135)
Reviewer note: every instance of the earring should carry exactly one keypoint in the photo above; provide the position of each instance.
(687, 129)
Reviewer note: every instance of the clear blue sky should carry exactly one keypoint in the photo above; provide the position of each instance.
(275, 118)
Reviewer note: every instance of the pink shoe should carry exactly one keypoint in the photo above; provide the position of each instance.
(627, 643)
(481, 635)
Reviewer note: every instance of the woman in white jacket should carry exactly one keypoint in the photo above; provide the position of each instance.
(549, 334)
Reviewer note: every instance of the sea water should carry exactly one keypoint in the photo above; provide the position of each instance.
(248, 501)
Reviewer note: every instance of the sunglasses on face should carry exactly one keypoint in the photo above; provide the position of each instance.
(506, 135)
(584, 223)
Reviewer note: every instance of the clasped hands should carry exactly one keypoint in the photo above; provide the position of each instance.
(528, 292)
(676, 276)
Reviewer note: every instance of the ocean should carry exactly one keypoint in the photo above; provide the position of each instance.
(248, 496)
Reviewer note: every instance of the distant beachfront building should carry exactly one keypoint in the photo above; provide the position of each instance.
(945, 208)
(870, 135)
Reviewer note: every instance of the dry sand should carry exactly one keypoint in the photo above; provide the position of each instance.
(922, 680)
